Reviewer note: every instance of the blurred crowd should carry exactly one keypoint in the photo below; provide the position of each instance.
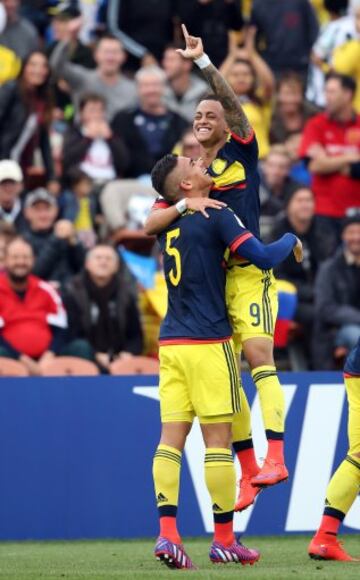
(93, 93)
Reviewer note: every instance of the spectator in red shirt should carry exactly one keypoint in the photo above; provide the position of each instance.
(32, 316)
(331, 146)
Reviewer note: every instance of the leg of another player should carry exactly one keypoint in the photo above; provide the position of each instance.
(244, 448)
(166, 475)
(343, 488)
(221, 483)
(259, 354)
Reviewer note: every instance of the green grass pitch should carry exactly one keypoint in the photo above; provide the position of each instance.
(282, 559)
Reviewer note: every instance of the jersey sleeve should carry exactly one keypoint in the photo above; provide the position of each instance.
(160, 203)
(312, 135)
(244, 149)
(242, 242)
(230, 229)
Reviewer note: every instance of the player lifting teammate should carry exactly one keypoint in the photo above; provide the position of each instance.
(229, 150)
(198, 374)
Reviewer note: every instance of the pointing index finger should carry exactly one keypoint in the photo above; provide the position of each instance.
(185, 32)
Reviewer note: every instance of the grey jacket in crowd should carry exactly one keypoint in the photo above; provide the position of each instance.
(82, 80)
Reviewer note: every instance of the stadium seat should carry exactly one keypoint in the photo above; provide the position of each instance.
(12, 368)
(135, 365)
(68, 365)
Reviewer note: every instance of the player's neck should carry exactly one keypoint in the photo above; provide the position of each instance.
(200, 192)
(208, 154)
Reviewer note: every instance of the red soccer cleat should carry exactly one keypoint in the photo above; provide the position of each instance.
(247, 494)
(271, 473)
(328, 548)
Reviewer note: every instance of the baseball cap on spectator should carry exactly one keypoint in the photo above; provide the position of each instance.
(352, 216)
(10, 170)
(40, 194)
(66, 10)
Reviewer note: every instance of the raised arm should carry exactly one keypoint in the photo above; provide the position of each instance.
(60, 63)
(234, 114)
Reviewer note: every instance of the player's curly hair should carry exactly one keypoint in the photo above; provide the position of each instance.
(160, 174)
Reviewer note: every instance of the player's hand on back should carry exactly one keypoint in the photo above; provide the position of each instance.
(202, 203)
(298, 251)
(194, 46)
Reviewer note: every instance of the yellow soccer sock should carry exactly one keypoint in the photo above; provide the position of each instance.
(166, 474)
(241, 428)
(343, 487)
(221, 483)
(272, 400)
(242, 438)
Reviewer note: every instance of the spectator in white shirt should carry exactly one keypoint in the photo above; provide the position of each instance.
(92, 145)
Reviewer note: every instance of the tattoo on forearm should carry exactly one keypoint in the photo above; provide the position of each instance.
(234, 113)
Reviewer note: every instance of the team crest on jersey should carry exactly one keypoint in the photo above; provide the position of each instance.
(218, 166)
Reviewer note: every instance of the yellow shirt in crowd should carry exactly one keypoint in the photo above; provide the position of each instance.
(83, 220)
(259, 118)
(153, 306)
(346, 60)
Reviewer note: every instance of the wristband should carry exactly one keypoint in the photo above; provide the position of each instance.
(203, 61)
(181, 206)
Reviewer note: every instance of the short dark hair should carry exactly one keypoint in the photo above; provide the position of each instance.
(109, 36)
(161, 171)
(76, 175)
(209, 97)
(290, 78)
(347, 82)
(91, 98)
(352, 216)
(336, 6)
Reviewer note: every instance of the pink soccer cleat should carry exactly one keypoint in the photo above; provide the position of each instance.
(237, 553)
(173, 555)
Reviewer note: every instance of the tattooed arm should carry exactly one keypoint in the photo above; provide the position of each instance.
(235, 117)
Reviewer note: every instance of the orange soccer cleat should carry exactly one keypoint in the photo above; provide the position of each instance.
(271, 473)
(247, 494)
(328, 548)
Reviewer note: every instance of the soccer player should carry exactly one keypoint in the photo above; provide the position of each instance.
(198, 374)
(344, 485)
(229, 150)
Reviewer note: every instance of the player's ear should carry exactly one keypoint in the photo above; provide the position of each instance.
(185, 184)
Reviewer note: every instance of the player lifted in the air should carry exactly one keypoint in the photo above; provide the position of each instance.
(229, 150)
(344, 485)
(198, 374)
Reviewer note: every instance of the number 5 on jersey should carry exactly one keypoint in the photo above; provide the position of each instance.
(175, 273)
